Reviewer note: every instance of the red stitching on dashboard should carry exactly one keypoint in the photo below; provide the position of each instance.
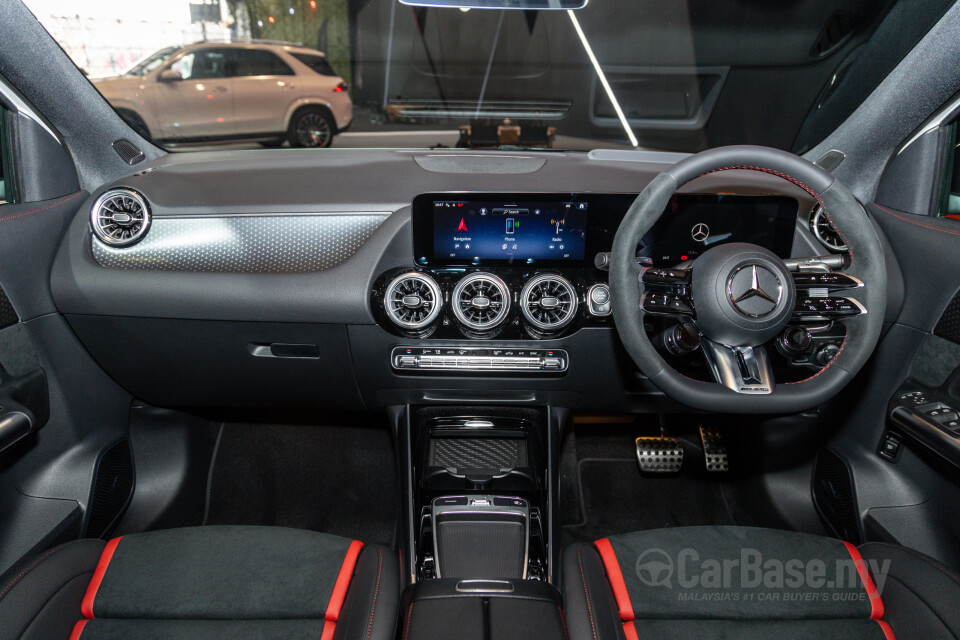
(49, 206)
(919, 224)
(791, 180)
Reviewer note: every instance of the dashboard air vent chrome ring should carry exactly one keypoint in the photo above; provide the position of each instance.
(548, 302)
(821, 227)
(120, 217)
(413, 300)
(481, 301)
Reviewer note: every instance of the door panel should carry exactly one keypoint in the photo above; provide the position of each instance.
(901, 493)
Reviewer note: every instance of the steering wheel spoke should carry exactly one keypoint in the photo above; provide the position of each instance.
(745, 370)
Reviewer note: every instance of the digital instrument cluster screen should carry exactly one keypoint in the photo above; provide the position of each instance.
(507, 230)
(693, 224)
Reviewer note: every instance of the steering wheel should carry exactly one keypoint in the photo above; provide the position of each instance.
(741, 296)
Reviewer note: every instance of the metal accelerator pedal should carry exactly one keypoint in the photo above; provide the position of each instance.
(659, 454)
(714, 450)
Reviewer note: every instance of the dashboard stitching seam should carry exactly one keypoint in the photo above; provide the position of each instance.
(49, 206)
(919, 224)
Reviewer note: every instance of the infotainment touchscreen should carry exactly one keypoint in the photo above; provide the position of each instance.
(509, 230)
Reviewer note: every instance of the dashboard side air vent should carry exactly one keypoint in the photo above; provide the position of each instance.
(825, 231)
(548, 302)
(413, 300)
(120, 217)
(481, 301)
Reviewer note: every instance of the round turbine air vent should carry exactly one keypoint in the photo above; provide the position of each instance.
(120, 217)
(825, 231)
(481, 301)
(548, 302)
(413, 300)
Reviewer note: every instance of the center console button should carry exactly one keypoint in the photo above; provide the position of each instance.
(453, 501)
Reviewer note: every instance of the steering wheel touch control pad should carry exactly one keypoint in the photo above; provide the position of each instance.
(744, 294)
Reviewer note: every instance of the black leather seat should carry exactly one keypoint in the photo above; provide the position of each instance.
(746, 583)
(203, 583)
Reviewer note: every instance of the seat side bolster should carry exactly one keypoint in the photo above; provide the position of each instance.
(369, 610)
(32, 584)
(920, 595)
(589, 605)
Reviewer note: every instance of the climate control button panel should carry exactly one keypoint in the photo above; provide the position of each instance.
(479, 359)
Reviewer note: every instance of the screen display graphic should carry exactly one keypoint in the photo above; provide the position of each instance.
(500, 230)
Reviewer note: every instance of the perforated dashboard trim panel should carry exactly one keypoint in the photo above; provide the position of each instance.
(948, 327)
(283, 243)
(8, 315)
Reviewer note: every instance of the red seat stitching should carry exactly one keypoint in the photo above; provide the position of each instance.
(406, 627)
(583, 579)
(375, 591)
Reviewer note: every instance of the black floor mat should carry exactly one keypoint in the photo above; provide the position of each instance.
(617, 498)
(335, 479)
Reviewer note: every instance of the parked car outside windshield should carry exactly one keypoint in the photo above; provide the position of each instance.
(228, 92)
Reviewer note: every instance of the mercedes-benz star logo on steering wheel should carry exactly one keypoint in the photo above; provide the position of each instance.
(754, 290)
(700, 232)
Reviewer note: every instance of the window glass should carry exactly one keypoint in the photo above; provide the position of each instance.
(257, 62)
(317, 63)
(671, 75)
(199, 65)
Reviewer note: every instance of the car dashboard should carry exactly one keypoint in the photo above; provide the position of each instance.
(273, 279)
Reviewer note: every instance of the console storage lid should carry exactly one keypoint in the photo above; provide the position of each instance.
(482, 610)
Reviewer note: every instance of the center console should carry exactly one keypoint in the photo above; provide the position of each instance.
(483, 535)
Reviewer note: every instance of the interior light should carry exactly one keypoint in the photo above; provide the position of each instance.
(603, 79)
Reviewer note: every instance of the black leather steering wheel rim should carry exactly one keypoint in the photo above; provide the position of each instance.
(867, 263)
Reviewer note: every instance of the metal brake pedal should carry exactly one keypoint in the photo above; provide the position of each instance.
(659, 454)
(714, 450)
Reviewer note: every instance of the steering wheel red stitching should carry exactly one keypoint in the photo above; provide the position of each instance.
(793, 181)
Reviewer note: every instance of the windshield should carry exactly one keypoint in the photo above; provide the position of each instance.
(677, 75)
